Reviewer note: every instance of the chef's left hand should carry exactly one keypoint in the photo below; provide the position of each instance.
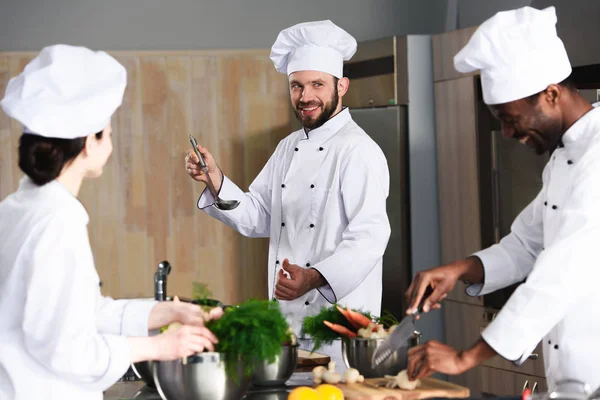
(301, 281)
(167, 312)
(432, 357)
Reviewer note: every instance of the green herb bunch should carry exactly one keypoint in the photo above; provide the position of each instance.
(251, 331)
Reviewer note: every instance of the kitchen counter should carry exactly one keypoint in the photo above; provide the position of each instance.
(139, 391)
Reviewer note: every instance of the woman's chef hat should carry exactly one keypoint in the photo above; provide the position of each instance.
(316, 46)
(66, 92)
(518, 52)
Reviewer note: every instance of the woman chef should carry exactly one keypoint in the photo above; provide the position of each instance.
(554, 241)
(60, 338)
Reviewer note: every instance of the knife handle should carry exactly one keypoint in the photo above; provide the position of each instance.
(427, 293)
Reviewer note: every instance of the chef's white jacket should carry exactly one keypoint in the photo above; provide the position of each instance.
(321, 199)
(60, 339)
(554, 244)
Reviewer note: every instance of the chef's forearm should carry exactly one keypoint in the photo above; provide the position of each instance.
(476, 355)
(471, 270)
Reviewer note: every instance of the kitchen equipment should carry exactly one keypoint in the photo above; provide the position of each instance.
(401, 335)
(568, 389)
(374, 389)
(224, 205)
(160, 280)
(308, 359)
(277, 372)
(358, 353)
(143, 370)
(205, 378)
(168, 377)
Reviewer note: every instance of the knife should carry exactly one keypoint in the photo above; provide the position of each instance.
(399, 336)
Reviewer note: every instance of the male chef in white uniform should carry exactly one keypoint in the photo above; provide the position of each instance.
(554, 241)
(321, 197)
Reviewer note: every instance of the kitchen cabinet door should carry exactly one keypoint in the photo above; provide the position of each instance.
(458, 187)
(499, 382)
(445, 46)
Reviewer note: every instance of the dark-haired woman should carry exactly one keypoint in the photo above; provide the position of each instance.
(60, 338)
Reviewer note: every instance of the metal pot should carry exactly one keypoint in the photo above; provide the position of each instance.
(568, 389)
(205, 378)
(143, 370)
(277, 372)
(358, 352)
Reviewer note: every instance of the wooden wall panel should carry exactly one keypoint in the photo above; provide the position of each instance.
(143, 208)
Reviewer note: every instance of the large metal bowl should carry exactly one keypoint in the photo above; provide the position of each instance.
(143, 370)
(358, 352)
(277, 372)
(205, 378)
(168, 377)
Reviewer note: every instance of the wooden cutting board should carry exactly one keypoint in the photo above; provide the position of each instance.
(369, 390)
(306, 358)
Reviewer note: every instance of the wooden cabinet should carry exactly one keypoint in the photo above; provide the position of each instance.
(499, 382)
(445, 47)
(458, 192)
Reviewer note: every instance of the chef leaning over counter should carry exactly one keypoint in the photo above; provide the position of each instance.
(60, 338)
(321, 197)
(554, 241)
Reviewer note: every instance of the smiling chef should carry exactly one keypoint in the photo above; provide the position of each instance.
(553, 242)
(321, 197)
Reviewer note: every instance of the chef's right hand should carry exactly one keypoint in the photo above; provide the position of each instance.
(442, 280)
(193, 168)
(184, 342)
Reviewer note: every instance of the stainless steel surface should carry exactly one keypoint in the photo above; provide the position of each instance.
(160, 280)
(270, 393)
(221, 204)
(358, 353)
(277, 372)
(168, 376)
(143, 370)
(204, 378)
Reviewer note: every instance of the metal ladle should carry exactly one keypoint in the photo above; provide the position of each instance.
(224, 205)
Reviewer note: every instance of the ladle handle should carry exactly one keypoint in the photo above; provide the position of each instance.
(204, 168)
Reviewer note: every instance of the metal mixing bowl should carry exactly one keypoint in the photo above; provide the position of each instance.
(277, 372)
(143, 370)
(357, 353)
(205, 378)
(168, 376)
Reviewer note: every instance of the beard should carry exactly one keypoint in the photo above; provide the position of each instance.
(309, 122)
(544, 137)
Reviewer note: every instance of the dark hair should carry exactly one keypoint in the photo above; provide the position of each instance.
(567, 83)
(42, 159)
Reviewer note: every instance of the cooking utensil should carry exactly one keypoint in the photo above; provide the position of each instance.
(277, 372)
(358, 353)
(399, 336)
(224, 205)
(205, 378)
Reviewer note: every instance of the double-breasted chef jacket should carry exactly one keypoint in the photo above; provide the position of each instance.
(60, 338)
(554, 245)
(321, 199)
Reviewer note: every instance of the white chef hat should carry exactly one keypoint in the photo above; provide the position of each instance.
(66, 92)
(518, 52)
(316, 46)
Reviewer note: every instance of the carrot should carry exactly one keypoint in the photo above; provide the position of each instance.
(340, 329)
(348, 317)
(360, 319)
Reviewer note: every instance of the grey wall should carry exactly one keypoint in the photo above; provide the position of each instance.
(201, 24)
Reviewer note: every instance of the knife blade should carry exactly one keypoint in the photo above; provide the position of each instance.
(399, 336)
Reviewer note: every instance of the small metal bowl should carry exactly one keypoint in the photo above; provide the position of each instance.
(277, 372)
(358, 352)
(168, 376)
